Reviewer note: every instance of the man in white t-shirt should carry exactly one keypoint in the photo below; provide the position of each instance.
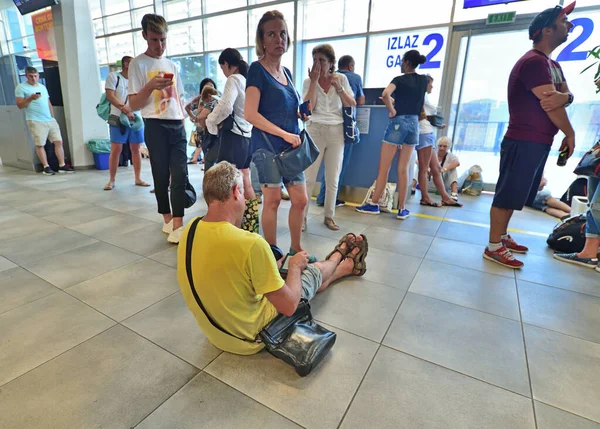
(117, 94)
(155, 88)
(34, 98)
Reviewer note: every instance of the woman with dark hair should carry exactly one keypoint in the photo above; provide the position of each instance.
(272, 108)
(192, 109)
(234, 136)
(328, 93)
(404, 98)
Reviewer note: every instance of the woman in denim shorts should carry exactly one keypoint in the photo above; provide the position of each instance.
(404, 98)
(272, 108)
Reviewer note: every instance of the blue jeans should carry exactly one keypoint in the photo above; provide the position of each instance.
(592, 228)
(347, 154)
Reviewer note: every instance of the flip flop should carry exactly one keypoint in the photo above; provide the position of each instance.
(109, 187)
(430, 204)
(142, 183)
(452, 204)
(349, 246)
(360, 266)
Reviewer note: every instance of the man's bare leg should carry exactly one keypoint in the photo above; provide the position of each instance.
(334, 268)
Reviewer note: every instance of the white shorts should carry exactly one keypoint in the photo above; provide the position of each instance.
(42, 131)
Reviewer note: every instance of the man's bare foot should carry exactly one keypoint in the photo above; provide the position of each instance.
(346, 267)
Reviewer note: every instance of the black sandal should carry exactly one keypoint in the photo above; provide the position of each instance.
(430, 204)
(452, 204)
(349, 246)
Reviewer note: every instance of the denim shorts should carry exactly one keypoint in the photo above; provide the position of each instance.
(403, 129)
(539, 202)
(268, 173)
(130, 136)
(426, 140)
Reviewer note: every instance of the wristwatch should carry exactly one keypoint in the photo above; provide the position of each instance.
(340, 90)
(571, 98)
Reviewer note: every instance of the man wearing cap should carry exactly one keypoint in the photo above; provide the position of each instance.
(537, 97)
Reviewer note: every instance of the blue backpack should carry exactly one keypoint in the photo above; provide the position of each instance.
(103, 107)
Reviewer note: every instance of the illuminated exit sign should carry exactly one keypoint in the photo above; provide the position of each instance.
(501, 18)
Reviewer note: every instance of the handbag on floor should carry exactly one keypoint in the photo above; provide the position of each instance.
(590, 163)
(569, 235)
(297, 340)
(386, 202)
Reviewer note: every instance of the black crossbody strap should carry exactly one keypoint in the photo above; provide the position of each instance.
(188, 269)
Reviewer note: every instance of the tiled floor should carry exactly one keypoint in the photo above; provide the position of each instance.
(94, 332)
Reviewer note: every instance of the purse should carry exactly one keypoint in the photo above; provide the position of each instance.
(436, 120)
(190, 194)
(351, 131)
(590, 163)
(297, 340)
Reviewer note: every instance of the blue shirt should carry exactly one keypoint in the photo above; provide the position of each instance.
(278, 104)
(355, 83)
(38, 110)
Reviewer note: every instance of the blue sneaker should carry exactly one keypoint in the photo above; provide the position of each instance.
(572, 258)
(403, 214)
(368, 208)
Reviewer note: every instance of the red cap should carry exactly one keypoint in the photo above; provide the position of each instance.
(567, 9)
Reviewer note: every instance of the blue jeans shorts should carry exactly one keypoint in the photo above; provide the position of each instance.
(403, 129)
(268, 173)
(426, 140)
(130, 136)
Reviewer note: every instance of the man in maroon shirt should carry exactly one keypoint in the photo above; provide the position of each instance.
(537, 97)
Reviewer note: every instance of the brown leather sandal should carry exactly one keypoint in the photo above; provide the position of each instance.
(349, 246)
(360, 265)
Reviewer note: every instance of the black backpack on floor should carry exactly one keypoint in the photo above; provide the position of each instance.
(577, 189)
(569, 235)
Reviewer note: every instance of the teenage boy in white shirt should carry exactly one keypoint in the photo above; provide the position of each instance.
(155, 88)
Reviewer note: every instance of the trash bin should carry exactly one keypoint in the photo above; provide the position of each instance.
(100, 148)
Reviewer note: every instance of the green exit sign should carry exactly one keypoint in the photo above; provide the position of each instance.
(501, 18)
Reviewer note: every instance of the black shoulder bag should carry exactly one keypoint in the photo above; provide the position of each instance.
(297, 340)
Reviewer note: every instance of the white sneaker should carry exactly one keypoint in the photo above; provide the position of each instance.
(175, 236)
(168, 227)
(454, 196)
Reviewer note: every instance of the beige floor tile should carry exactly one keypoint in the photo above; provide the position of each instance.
(552, 418)
(403, 242)
(560, 310)
(420, 225)
(112, 381)
(144, 241)
(25, 225)
(470, 288)
(171, 325)
(81, 264)
(465, 255)
(350, 214)
(358, 306)
(564, 371)
(118, 224)
(167, 257)
(467, 233)
(19, 287)
(216, 405)
(80, 216)
(391, 269)
(123, 292)
(43, 245)
(316, 226)
(483, 346)
(316, 401)
(403, 392)
(54, 207)
(5, 264)
(41, 330)
(551, 272)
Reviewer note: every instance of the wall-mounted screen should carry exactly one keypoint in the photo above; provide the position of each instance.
(478, 3)
(28, 6)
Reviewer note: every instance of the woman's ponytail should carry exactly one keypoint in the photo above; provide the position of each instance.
(243, 68)
(422, 59)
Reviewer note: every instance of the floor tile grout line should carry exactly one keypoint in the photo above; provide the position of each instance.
(568, 412)
(472, 377)
(558, 287)
(526, 356)
(561, 333)
(358, 387)
(150, 306)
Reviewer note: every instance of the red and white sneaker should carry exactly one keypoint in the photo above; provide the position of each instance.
(512, 245)
(503, 257)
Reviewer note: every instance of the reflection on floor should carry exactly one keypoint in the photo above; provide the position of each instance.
(94, 332)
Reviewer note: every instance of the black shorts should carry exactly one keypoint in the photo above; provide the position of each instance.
(235, 149)
(521, 170)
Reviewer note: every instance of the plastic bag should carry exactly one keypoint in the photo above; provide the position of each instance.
(98, 146)
(471, 182)
(386, 202)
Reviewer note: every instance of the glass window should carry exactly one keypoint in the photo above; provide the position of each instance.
(214, 71)
(139, 43)
(95, 8)
(115, 6)
(287, 60)
(185, 38)
(350, 16)
(191, 70)
(98, 27)
(220, 34)
(142, 3)
(119, 46)
(212, 6)
(522, 7)
(287, 9)
(118, 23)
(138, 14)
(386, 16)
(181, 9)
(22, 45)
(354, 47)
(386, 51)
(101, 51)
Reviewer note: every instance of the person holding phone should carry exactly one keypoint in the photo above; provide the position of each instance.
(155, 88)
(272, 108)
(328, 93)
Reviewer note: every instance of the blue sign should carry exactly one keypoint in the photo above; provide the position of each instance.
(478, 3)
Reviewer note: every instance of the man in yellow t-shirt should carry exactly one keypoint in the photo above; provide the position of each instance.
(236, 277)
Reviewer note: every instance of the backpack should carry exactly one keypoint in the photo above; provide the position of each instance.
(569, 235)
(103, 106)
(386, 202)
(577, 189)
